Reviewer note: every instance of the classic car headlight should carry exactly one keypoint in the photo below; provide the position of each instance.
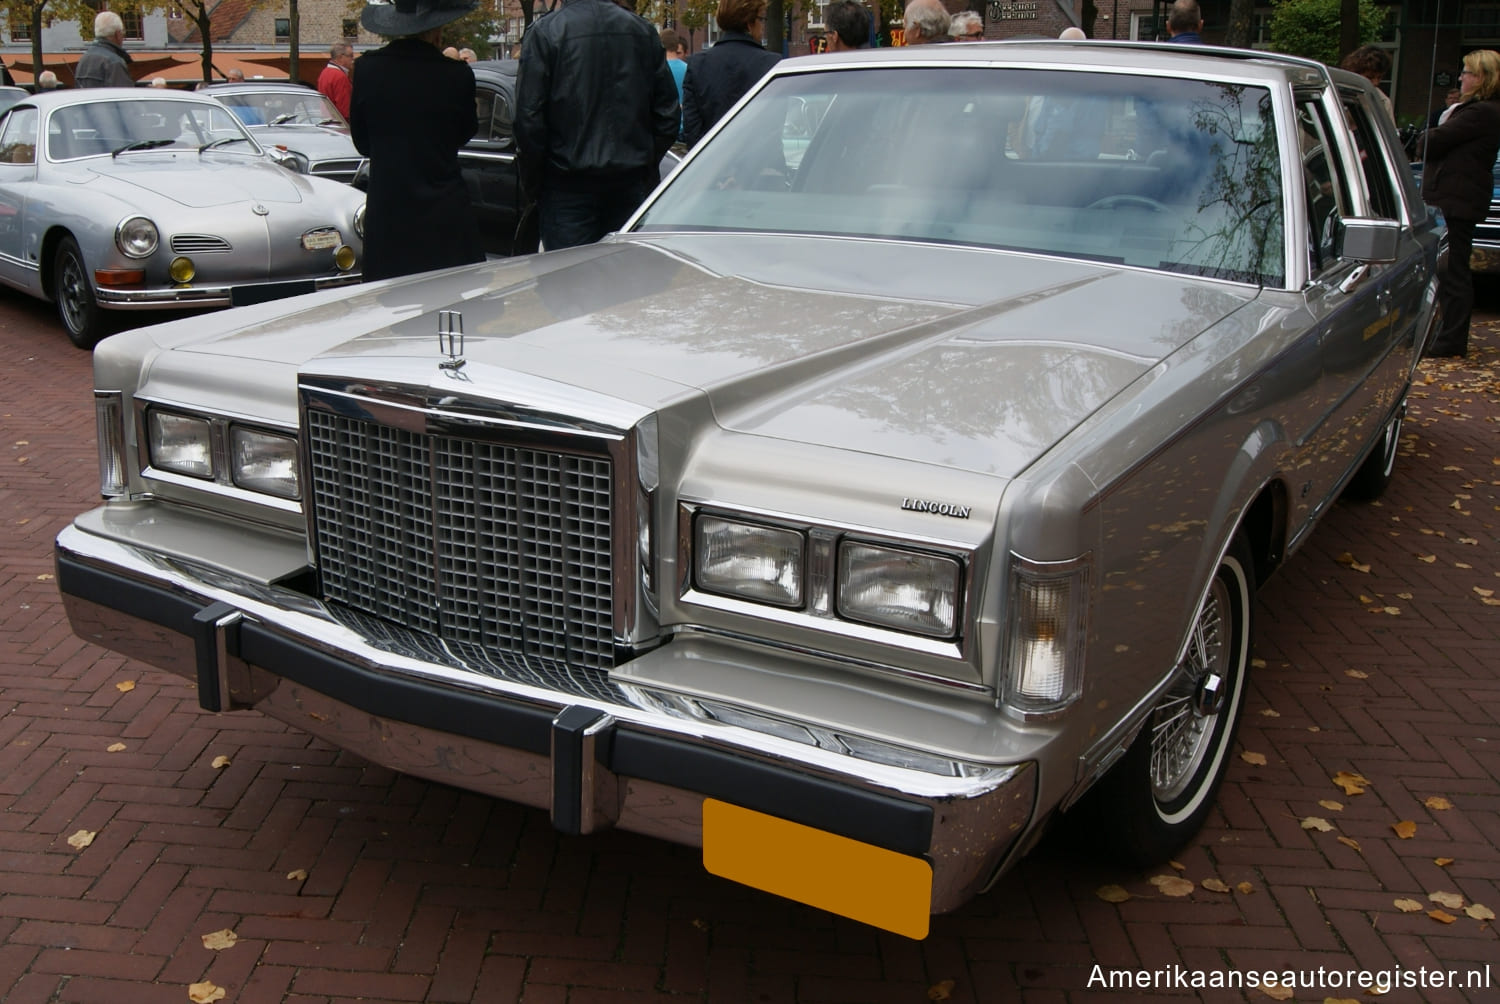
(1048, 620)
(181, 443)
(359, 221)
(899, 589)
(750, 561)
(136, 237)
(263, 462)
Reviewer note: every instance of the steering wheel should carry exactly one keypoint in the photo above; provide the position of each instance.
(1128, 202)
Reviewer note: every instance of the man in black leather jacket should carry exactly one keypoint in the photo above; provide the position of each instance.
(596, 108)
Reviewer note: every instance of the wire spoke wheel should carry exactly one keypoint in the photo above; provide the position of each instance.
(1182, 724)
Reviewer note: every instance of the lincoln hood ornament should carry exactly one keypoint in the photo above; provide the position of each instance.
(451, 339)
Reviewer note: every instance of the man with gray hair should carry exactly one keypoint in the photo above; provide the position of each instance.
(334, 82)
(926, 22)
(105, 62)
(967, 26)
(46, 81)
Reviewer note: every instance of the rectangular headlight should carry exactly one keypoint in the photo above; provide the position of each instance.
(110, 425)
(263, 462)
(903, 590)
(181, 443)
(1046, 633)
(764, 564)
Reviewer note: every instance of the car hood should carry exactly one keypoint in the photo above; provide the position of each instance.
(198, 181)
(315, 142)
(976, 360)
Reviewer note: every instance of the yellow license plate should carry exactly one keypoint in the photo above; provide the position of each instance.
(848, 877)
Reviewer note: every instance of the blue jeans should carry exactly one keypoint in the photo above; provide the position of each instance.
(570, 217)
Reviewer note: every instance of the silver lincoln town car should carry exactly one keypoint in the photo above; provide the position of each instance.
(114, 199)
(898, 480)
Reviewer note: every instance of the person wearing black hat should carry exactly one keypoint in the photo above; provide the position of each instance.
(410, 113)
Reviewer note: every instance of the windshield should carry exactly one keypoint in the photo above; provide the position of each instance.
(122, 127)
(294, 106)
(1178, 175)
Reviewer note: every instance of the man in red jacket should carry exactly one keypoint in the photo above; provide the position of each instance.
(334, 82)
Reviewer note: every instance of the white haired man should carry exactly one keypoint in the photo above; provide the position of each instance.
(967, 26)
(105, 62)
(926, 22)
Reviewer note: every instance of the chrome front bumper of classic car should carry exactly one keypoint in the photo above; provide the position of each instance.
(881, 842)
(222, 295)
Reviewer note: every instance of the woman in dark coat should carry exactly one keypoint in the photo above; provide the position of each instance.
(718, 77)
(411, 111)
(1458, 178)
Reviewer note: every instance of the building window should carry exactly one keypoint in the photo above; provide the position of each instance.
(134, 25)
(283, 29)
(351, 28)
(1142, 27)
(20, 31)
(1481, 23)
(816, 15)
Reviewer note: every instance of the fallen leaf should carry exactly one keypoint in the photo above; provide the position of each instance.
(1484, 592)
(1348, 559)
(700, 924)
(1393, 611)
(1112, 893)
(1442, 862)
(1349, 842)
(125, 686)
(1340, 1000)
(1451, 900)
(205, 993)
(220, 762)
(115, 748)
(1479, 912)
(1331, 805)
(1177, 866)
(1408, 906)
(1357, 674)
(1351, 783)
(941, 990)
(1257, 759)
(1171, 885)
(1437, 803)
(1441, 916)
(1429, 558)
(1257, 664)
(1214, 885)
(1406, 829)
(44, 577)
(1317, 823)
(1244, 888)
(1276, 991)
(220, 940)
(82, 839)
(298, 875)
(1269, 713)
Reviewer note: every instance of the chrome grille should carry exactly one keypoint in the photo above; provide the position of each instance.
(474, 542)
(336, 170)
(198, 244)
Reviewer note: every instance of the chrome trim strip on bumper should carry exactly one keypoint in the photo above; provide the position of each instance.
(630, 764)
(113, 298)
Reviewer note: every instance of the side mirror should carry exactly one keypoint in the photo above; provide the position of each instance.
(1369, 240)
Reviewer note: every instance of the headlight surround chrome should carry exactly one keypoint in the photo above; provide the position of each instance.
(1046, 634)
(137, 237)
(904, 590)
(751, 561)
(359, 221)
(182, 444)
(290, 159)
(264, 462)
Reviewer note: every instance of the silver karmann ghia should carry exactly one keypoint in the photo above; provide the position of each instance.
(898, 481)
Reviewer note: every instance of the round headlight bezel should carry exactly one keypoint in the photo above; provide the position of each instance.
(359, 221)
(137, 237)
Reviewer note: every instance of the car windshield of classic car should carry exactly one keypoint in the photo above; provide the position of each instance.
(120, 127)
(282, 106)
(1172, 174)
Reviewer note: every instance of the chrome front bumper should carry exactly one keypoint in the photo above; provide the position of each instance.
(620, 754)
(222, 295)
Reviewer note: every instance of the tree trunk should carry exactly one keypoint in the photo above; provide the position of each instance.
(1348, 27)
(775, 25)
(205, 28)
(294, 38)
(1241, 18)
(36, 44)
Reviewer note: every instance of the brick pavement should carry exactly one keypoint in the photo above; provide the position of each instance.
(344, 881)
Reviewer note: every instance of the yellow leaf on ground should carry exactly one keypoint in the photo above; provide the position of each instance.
(1214, 885)
(1351, 783)
(1406, 829)
(1256, 759)
(1429, 558)
(1393, 611)
(82, 839)
(1331, 805)
(1437, 803)
(1257, 664)
(1408, 906)
(1171, 885)
(1112, 893)
(1244, 888)
(1451, 900)
(1269, 713)
(205, 993)
(1441, 916)
(115, 748)
(1348, 559)
(298, 875)
(941, 990)
(220, 940)
(125, 686)
(1277, 992)
(220, 762)
(1177, 866)
(1317, 823)
(1442, 862)
(1479, 912)
(1349, 842)
(1357, 674)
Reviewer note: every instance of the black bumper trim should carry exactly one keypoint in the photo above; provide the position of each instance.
(887, 821)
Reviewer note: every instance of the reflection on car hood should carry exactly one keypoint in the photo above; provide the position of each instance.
(977, 360)
(316, 142)
(201, 182)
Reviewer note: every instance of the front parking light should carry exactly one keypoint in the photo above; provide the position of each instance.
(182, 269)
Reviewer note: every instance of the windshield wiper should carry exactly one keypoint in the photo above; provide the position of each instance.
(141, 144)
(220, 142)
(287, 117)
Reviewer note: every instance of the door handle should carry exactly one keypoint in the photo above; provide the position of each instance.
(1353, 279)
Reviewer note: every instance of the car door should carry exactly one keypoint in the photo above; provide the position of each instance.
(488, 163)
(18, 164)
